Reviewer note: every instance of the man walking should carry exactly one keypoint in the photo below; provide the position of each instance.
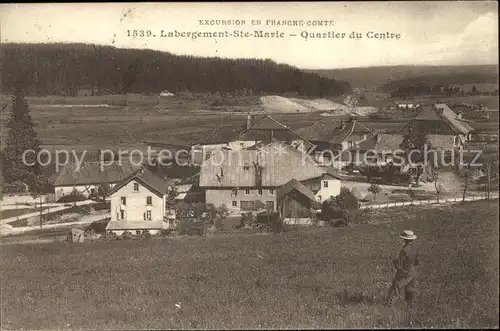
(405, 277)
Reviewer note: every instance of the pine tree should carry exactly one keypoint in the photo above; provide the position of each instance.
(21, 137)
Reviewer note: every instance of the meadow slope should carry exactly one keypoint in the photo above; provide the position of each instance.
(330, 277)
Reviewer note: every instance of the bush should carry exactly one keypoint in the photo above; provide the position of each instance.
(127, 235)
(72, 197)
(340, 207)
(246, 219)
(271, 222)
(111, 236)
(165, 232)
(145, 234)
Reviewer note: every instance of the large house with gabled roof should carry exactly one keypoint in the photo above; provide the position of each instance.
(249, 178)
(334, 137)
(138, 203)
(262, 131)
(444, 128)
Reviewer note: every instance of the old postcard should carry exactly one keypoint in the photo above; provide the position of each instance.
(249, 165)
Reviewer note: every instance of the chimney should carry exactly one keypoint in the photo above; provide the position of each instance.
(459, 115)
(249, 120)
(379, 136)
(342, 125)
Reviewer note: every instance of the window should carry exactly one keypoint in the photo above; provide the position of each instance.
(136, 187)
(260, 192)
(234, 193)
(122, 214)
(271, 191)
(247, 192)
(325, 183)
(124, 201)
(148, 215)
(270, 205)
(247, 205)
(235, 203)
(149, 200)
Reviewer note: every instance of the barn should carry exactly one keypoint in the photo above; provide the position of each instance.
(295, 202)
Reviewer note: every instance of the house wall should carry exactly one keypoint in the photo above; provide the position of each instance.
(220, 196)
(332, 189)
(85, 190)
(136, 206)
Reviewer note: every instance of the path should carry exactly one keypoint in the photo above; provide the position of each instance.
(427, 202)
(45, 211)
(86, 219)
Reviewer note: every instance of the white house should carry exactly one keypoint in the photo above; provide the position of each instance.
(138, 203)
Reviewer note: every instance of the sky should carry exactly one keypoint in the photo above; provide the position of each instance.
(430, 33)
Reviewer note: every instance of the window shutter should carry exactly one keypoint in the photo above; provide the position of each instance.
(144, 215)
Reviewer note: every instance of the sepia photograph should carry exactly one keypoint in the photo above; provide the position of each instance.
(249, 165)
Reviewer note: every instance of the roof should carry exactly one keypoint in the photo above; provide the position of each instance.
(220, 135)
(382, 142)
(147, 178)
(260, 131)
(268, 123)
(280, 163)
(441, 141)
(94, 173)
(441, 111)
(329, 131)
(294, 184)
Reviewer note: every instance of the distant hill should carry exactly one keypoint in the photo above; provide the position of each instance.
(69, 69)
(390, 78)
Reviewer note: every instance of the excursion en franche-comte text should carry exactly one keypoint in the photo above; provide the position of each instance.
(274, 29)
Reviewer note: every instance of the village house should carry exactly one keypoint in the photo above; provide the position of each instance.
(249, 179)
(379, 150)
(444, 128)
(90, 178)
(263, 130)
(139, 203)
(330, 138)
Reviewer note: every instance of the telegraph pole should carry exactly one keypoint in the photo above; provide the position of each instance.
(40, 211)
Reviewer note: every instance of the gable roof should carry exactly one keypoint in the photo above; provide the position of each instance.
(294, 184)
(94, 173)
(268, 123)
(441, 111)
(260, 131)
(146, 177)
(280, 163)
(331, 132)
(441, 141)
(382, 142)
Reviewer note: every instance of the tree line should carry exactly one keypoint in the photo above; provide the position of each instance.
(66, 69)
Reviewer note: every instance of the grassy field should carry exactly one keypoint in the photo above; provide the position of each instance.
(178, 119)
(320, 278)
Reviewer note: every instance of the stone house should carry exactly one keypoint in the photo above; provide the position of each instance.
(139, 203)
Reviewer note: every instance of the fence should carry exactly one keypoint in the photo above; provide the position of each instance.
(428, 202)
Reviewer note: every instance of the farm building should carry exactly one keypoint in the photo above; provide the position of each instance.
(264, 130)
(378, 150)
(90, 178)
(248, 179)
(330, 136)
(443, 124)
(295, 202)
(138, 203)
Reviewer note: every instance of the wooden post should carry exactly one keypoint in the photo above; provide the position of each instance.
(40, 211)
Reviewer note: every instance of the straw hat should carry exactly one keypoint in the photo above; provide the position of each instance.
(408, 235)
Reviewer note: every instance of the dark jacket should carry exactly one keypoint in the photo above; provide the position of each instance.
(406, 261)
